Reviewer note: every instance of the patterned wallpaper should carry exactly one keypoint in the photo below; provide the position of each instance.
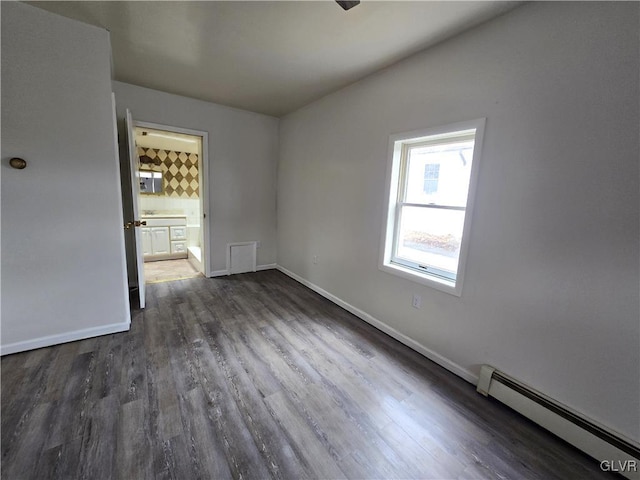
(180, 176)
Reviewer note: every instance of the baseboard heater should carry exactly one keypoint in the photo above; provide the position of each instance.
(616, 453)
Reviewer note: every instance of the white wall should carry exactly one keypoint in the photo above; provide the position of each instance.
(551, 287)
(63, 271)
(242, 165)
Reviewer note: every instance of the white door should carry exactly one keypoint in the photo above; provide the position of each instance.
(134, 163)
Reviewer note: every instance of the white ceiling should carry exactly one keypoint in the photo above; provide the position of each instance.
(265, 56)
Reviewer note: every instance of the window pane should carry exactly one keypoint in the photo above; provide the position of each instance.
(430, 237)
(439, 174)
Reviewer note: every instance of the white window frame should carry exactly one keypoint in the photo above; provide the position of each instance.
(398, 144)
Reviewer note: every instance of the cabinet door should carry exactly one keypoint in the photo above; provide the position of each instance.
(146, 241)
(178, 233)
(178, 246)
(160, 240)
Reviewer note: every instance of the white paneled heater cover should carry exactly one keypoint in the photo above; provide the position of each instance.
(241, 257)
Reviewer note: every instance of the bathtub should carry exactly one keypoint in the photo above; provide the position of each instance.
(194, 255)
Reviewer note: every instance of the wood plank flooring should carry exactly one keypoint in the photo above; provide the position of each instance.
(255, 376)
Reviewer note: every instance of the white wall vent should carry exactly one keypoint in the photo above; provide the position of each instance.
(241, 257)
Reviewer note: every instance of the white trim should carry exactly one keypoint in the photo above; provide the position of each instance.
(218, 273)
(442, 284)
(165, 256)
(401, 337)
(204, 183)
(59, 338)
(390, 222)
(269, 266)
(259, 268)
(205, 217)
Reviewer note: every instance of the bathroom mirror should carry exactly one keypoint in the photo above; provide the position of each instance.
(150, 182)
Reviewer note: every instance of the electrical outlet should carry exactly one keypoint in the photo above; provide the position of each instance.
(258, 244)
(416, 302)
(316, 259)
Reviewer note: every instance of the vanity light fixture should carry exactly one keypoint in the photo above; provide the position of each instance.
(188, 140)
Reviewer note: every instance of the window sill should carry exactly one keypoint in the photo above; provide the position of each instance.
(441, 284)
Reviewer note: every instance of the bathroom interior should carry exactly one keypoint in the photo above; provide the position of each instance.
(170, 202)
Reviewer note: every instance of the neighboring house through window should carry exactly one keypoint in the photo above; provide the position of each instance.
(431, 173)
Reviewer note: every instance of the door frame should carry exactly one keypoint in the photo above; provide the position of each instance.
(204, 182)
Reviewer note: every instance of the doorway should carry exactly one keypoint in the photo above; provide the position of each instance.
(171, 200)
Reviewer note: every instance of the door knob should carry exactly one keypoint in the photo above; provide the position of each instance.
(136, 223)
(18, 163)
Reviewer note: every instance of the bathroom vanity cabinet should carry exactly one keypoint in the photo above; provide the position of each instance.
(155, 241)
(164, 238)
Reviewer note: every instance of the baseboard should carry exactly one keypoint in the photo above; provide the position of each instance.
(59, 338)
(401, 337)
(165, 256)
(219, 273)
(269, 266)
(259, 268)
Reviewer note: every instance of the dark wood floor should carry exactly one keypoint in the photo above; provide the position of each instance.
(254, 376)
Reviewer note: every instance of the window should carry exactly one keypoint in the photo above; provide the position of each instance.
(430, 180)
